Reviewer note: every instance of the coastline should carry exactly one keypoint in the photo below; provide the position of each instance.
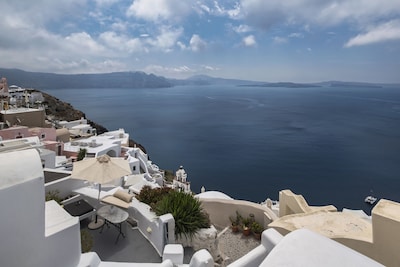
(57, 109)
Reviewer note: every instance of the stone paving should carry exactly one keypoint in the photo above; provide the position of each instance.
(235, 245)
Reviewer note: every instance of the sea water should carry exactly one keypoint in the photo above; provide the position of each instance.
(332, 145)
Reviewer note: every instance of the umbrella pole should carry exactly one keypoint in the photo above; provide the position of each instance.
(98, 201)
(97, 223)
(98, 196)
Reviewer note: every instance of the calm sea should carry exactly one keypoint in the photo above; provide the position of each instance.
(332, 145)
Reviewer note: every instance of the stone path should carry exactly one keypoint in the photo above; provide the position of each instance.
(235, 245)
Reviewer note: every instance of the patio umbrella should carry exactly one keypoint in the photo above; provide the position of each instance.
(101, 170)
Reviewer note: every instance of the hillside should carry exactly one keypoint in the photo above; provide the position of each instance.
(59, 110)
(102, 80)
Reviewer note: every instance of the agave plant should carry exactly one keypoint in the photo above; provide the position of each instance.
(187, 212)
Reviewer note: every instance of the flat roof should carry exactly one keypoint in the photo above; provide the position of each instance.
(329, 224)
(19, 110)
(388, 208)
(50, 176)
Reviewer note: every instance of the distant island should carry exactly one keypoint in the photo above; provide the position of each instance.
(285, 85)
(354, 84)
(102, 80)
(140, 79)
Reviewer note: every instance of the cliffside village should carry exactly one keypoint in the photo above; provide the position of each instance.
(24, 124)
(38, 153)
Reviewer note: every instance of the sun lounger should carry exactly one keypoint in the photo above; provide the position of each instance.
(120, 199)
(116, 196)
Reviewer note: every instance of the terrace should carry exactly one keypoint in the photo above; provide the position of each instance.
(51, 235)
(138, 246)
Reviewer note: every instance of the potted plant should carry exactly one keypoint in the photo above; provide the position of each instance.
(257, 230)
(235, 222)
(246, 226)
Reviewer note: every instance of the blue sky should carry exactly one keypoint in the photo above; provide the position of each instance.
(264, 40)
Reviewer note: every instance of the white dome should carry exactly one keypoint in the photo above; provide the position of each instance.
(213, 194)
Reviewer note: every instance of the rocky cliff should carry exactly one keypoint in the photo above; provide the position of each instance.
(60, 110)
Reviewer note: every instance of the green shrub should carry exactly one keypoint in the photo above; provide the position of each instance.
(246, 222)
(152, 196)
(257, 227)
(187, 212)
(81, 154)
(236, 220)
(53, 195)
(86, 241)
(169, 175)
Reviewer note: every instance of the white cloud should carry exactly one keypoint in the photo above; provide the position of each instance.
(182, 71)
(108, 35)
(231, 10)
(296, 35)
(167, 38)
(385, 32)
(249, 40)
(159, 10)
(279, 40)
(106, 3)
(172, 71)
(209, 68)
(181, 45)
(197, 44)
(203, 8)
(84, 42)
(361, 11)
(121, 42)
(264, 14)
(119, 26)
(38, 13)
(242, 28)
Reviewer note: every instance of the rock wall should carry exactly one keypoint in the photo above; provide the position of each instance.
(203, 239)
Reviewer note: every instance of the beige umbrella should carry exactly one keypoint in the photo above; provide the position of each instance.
(101, 170)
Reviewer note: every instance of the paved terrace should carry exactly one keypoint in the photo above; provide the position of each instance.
(136, 248)
(133, 248)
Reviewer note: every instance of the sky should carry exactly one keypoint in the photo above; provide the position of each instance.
(260, 40)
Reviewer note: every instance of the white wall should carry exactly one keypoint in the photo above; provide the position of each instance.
(134, 164)
(269, 239)
(22, 209)
(49, 158)
(23, 224)
(220, 210)
(62, 237)
(65, 186)
(148, 220)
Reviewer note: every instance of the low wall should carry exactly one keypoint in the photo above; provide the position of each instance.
(220, 210)
(65, 186)
(291, 203)
(150, 225)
